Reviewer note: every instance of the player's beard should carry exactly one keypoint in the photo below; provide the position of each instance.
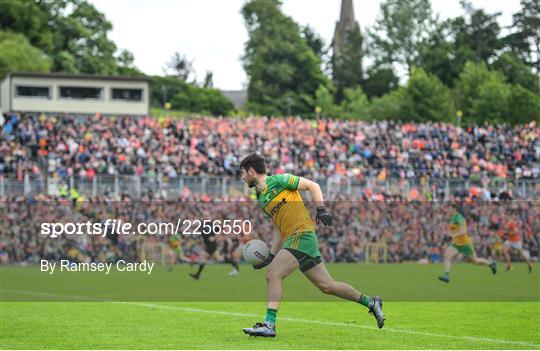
(252, 183)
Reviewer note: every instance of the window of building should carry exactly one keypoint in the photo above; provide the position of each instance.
(127, 94)
(29, 91)
(80, 93)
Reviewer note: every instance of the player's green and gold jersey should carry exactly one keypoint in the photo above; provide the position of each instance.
(281, 201)
(457, 224)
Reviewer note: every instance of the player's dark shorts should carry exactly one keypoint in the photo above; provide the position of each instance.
(210, 248)
(305, 247)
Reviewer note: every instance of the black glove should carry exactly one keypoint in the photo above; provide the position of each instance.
(265, 262)
(323, 216)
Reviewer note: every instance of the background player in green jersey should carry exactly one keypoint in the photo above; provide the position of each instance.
(461, 244)
(296, 244)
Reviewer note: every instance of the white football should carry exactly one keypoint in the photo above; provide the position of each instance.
(255, 252)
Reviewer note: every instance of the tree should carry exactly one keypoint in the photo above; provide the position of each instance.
(492, 102)
(162, 89)
(355, 104)
(517, 72)
(347, 66)
(18, 55)
(208, 80)
(524, 40)
(188, 97)
(399, 30)
(126, 67)
(389, 106)
(200, 100)
(29, 19)
(81, 31)
(324, 99)
(283, 71)
(443, 53)
(72, 33)
(480, 31)
(181, 67)
(380, 80)
(427, 98)
(467, 86)
(315, 42)
(524, 105)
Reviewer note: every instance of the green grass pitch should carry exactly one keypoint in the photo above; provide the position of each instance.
(487, 322)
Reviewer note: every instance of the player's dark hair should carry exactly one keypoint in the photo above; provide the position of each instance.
(254, 161)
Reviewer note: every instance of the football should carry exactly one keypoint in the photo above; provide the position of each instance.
(255, 252)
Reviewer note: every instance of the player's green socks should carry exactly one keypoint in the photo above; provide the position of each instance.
(446, 275)
(270, 316)
(365, 300)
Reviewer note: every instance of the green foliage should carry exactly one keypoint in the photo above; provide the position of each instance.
(315, 42)
(400, 29)
(486, 97)
(82, 33)
(479, 31)
(208, 80)
(443, 53)
(524, 105)
(126, 67)
(324, 98)
(284, 73)
(17, 54)
(347, 65)
(472, 37)
(492, 103)
(517, 72)
(188, 97)
(73, 33)
(467, 87)
(181, 67)
(355, 104)
(163, 88)
(389, 106)
(380, 80)
(28, 18)
(524, 40)
(426, 98)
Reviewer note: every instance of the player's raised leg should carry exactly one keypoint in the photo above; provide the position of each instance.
(483, 262)
(202, 262)
(506, 255)
(449, 254)
(320, 277)
(525, 256)
(283, 264)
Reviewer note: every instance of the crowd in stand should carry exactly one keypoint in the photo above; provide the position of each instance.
(83, 146)
(412, 231)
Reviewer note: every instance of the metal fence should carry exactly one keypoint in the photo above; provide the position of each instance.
(171, 188)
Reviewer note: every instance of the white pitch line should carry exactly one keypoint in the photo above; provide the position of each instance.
(289, 319)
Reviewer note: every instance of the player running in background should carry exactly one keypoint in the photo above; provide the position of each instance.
(496, 239)
(461, 244)
(513, 242)
(175, 251)
(296, 245)
(209, 250)
(231, 253)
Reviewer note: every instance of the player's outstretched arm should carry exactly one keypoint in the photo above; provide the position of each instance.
(317, 197)
(314, 190)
